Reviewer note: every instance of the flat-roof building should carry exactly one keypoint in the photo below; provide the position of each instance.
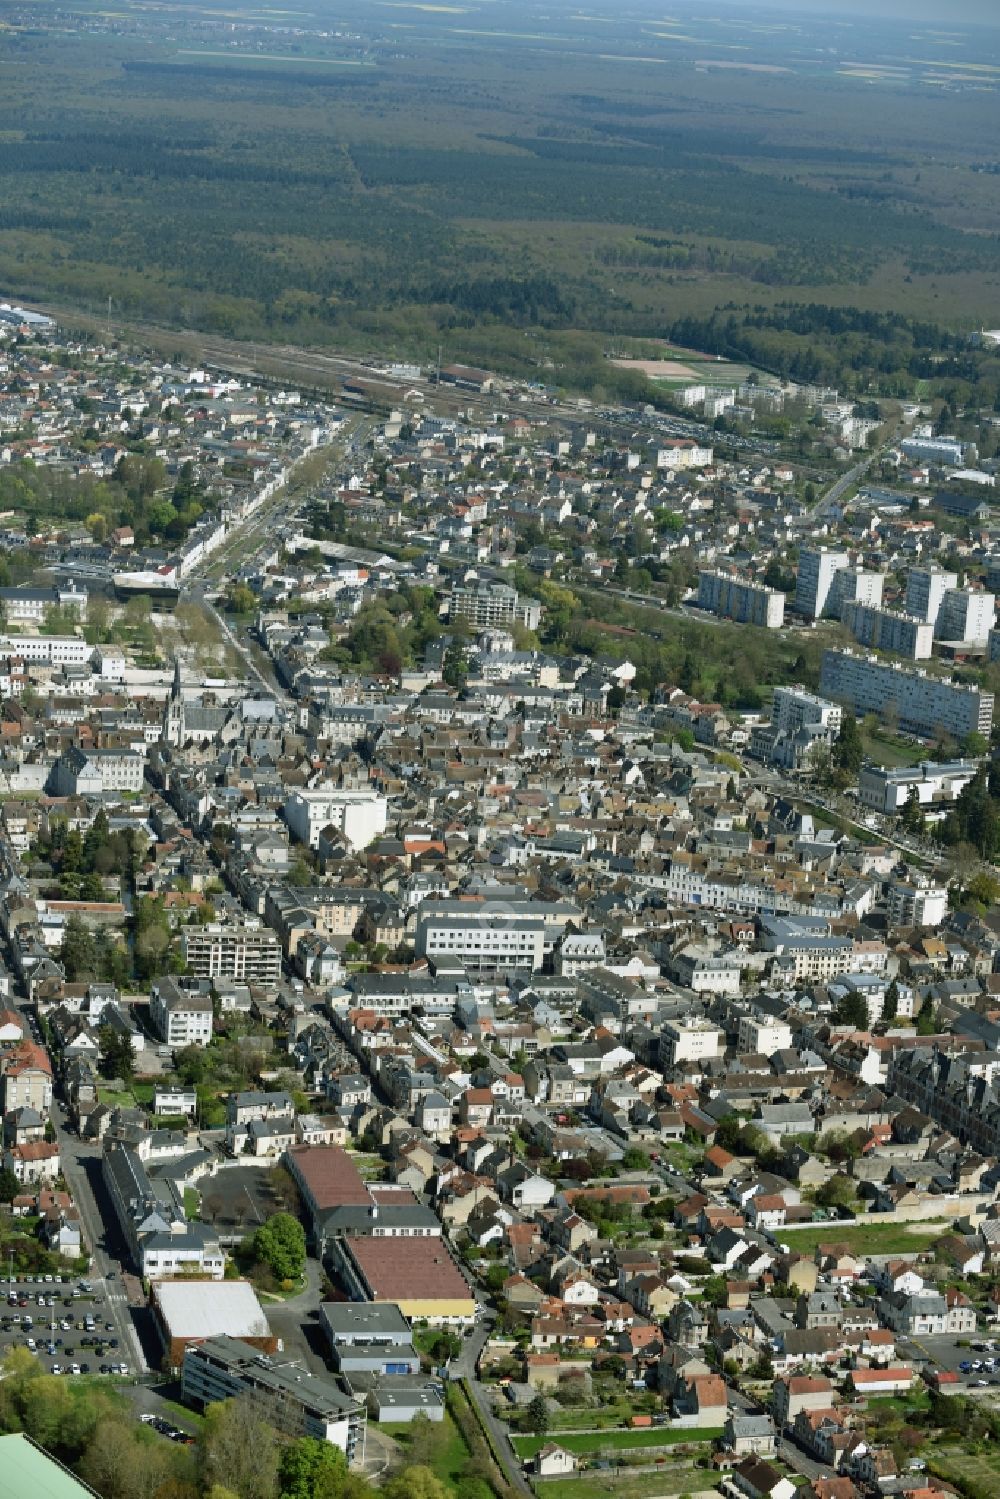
(287, 1395)
(419, 1275)
(189, 1311)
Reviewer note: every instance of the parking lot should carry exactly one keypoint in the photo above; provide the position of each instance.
(948, 1352)
(69, 1322)
(238, 1199)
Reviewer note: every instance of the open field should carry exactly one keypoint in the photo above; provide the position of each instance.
(586, 1443)
(623, 1485)
(870, 1237)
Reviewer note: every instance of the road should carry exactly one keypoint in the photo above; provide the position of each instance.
(266, 523)
(464, 1367)
(81, 1164)
(788, 1451)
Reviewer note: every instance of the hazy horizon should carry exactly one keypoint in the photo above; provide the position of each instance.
(914, 12)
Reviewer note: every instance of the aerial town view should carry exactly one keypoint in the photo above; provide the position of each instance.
(499, 750)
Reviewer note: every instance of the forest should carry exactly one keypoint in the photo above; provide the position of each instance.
(522, 189)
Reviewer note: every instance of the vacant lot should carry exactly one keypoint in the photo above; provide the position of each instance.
(622, 1485)
(870, 1237)
(587, 1442)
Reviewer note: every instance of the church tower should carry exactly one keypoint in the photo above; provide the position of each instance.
(173, 711)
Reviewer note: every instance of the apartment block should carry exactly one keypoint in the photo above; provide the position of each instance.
(794, 708)
(920, 704)
(966, 617)
(486, 605)
(690, 1041)
(885, 630)
(911, 904)
(925, 591)
(247, 951)
(736, 599)
(180, 1016)
(817, 570)
(359, 815)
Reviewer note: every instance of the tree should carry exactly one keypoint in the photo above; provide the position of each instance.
(455, 670)
(240, 599)
(239, 1450)
(416, 1482)
(78, 951)
(852, 1011)
(926, 1023)
(984, 888)
(890, 1004)
(837, 1192)
(912, 818)
(848, 748)
(635, 1159)
(308, 1466)
(117, 1056)
(280, 1243)
(538, 1415)
(714, 1291)
(974, 745)
(9, 1185)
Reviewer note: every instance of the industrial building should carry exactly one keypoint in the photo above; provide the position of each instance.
(419, 1275)
(190, 1311)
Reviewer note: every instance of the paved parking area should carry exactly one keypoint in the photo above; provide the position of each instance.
(239, 1198)
(78, 1328)
(945, 1352)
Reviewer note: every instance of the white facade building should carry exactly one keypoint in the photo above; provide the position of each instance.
(793, 708)
(912, 904)
(690, 1041)
(887, 789)
(180, 1017)
(47, 650)
(925, 591)
(920, 703)
(817, 569)
(742, 601)
(966, 616)
(885, 630)
(359, 815)
(763, 1037)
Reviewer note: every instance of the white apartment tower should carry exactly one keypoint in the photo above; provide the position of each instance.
(925, 591)
(817, 570)
(965, 616)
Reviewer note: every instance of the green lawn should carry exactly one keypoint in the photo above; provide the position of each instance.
(622, 1485)
(870, 1237)
(192, 1202)
(448, 1454)
(605, 1414)
(884, 749)
(587, 1443)
(115, 1097)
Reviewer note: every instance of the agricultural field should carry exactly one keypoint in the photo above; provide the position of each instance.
(533, 187)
